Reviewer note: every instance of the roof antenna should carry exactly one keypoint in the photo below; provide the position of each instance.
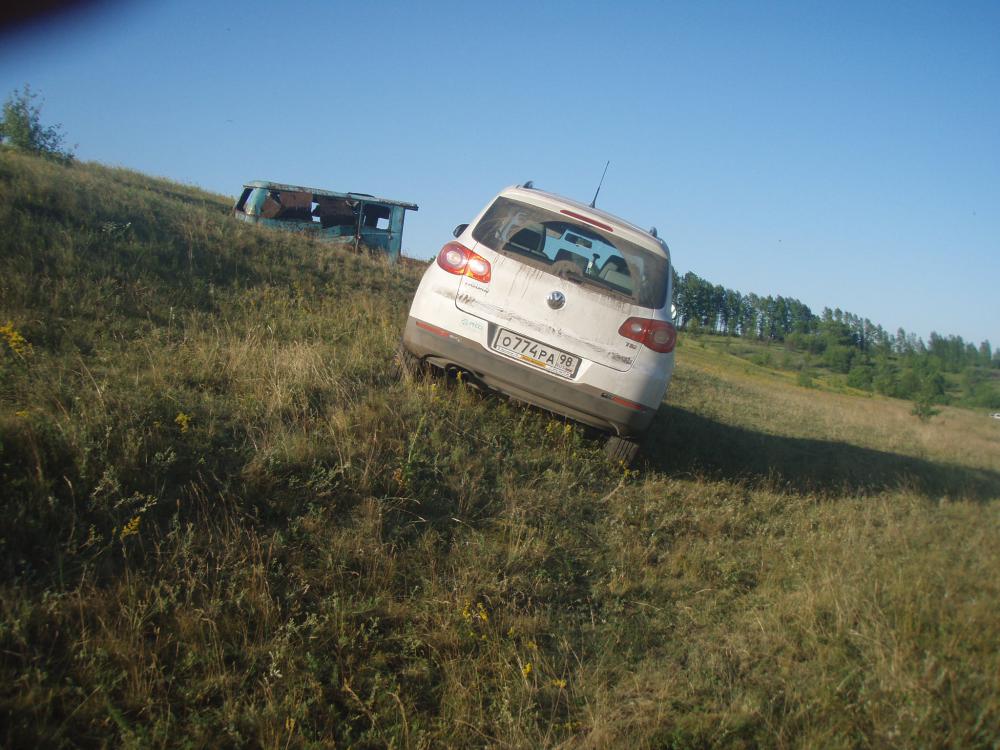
(593, 203)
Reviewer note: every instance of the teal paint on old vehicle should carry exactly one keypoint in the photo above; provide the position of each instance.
(354, 218)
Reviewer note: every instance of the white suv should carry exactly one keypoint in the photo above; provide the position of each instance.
(555, 303)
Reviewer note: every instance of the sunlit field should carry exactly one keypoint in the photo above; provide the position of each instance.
(228, 523)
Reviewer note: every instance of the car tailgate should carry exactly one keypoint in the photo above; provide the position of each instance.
(516, 298)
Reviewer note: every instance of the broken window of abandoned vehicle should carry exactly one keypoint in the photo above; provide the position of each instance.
(358, 219)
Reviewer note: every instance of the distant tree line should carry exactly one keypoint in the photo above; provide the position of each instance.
(900, 364)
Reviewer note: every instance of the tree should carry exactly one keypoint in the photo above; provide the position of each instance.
(985, 352)
(749, 315)
(923, 410)
(885, 377)
(734, 312)
(861, 374)
(21, 127)
(838, 358)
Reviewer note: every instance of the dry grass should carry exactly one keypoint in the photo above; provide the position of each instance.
(774, 404)
(227, 524)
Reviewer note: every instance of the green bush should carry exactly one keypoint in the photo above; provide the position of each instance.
(838, 358)
(21, 127)
(861, 376)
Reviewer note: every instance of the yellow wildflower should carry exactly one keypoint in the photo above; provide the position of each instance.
(182, 420)
(526, 669)
(132, 527)
(14, 340)
(559, 684)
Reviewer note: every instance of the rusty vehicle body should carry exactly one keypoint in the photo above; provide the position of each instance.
(351, 218)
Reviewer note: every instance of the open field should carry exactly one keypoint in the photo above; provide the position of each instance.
(227, 524)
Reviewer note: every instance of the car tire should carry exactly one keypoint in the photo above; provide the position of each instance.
(407, 365)
(621, 450)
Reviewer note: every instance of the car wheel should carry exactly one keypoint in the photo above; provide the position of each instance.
(406, 364)
(621, 450)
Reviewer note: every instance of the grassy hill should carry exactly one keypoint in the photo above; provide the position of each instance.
(976, 387)
(227, 524)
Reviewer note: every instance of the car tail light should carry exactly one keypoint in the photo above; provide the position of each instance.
(658, 335)
(458, 259)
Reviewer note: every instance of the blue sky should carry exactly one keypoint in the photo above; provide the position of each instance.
(846, 154)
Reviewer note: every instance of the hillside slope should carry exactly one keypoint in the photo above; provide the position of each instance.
(226, 523)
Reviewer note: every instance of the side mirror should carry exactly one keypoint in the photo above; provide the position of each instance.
(459, 229)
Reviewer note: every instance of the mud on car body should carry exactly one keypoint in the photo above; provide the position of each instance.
(555, 303)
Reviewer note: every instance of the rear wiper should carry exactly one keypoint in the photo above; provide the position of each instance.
(570, 271)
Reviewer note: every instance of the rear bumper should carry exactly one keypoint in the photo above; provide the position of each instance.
(579, 401)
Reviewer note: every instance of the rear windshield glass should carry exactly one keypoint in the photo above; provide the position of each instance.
(574, 250)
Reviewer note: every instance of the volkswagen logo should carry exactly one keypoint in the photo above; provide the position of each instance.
(556, 300)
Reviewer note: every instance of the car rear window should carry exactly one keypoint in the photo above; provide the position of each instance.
(574, 250)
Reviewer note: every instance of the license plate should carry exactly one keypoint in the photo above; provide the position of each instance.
(528, 350)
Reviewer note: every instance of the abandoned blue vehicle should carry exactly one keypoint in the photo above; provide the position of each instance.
(355, 218)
